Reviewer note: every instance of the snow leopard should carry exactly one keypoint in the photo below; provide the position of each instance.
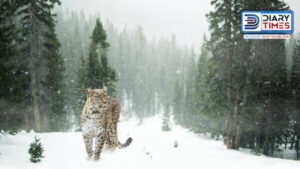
(99, 121)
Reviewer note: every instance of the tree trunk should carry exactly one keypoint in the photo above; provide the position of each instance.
(35, 66)
(235, 125)
(26, 120)
(267, 130)
(297, 146)
(228, 132)
(292, 141)
(239, 130)
(37, 111)
(228, 66)
(285, 141)
(238, 136)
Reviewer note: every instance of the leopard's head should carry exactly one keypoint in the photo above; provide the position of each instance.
(98, 99)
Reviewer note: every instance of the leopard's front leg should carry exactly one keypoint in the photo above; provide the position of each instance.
(88, 141)
(99, 142)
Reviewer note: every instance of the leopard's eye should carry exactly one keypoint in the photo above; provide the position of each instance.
(104, 102)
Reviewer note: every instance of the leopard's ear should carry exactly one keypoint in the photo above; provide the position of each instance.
(105, 89)
(88, 91)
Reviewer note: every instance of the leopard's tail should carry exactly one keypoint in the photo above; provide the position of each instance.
(127, 143)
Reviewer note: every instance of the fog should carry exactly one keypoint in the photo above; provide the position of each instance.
(184, 18)
(295, 6)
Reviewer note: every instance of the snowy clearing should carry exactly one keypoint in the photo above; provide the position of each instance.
(151, 148)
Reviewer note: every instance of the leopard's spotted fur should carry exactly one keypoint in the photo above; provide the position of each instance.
(99, 120)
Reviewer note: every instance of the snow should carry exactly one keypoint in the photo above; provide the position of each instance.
(151, 148)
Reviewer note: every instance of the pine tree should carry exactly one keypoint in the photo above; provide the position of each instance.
(239, 79)
(54, 80)
(36, 24)
(166, 118)
(204, 123)
(80, 87)
(36, 151)
(189, 111)
(142, 96)
(108, 75)
(295, 100)
(98, 71)
(269, 81)
(72, 48)
(178, 103)
(14, 78)
(221, 63)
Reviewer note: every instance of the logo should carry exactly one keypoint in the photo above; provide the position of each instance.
(252, 21)
(267, 22)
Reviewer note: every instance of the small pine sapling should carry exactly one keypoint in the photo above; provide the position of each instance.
(175, 144)
(36, 151)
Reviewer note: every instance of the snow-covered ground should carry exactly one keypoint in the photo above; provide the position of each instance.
(151, 148)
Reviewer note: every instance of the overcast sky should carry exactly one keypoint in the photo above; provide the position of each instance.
(184, 18)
